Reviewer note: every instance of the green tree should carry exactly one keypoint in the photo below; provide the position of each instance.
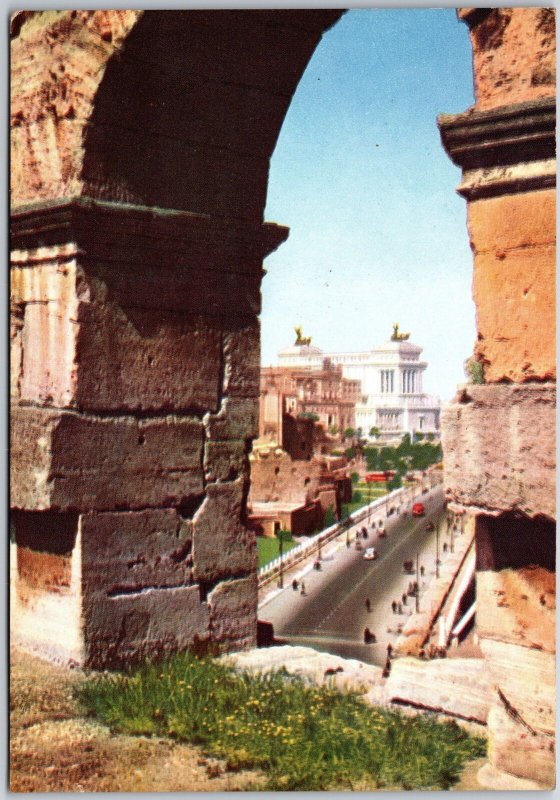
(372, 458)
(375, 432)
(349, 433)
(394, 483)
(309, 415)
(355, 478)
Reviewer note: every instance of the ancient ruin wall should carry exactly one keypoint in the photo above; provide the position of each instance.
(140, 151)
(499, 437)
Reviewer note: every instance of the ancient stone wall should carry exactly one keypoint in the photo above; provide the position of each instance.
(277, 478)
(140, 152)
(499, 438)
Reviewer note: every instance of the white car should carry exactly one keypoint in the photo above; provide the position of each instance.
(370, 554)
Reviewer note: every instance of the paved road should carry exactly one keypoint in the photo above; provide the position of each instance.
(332, 616)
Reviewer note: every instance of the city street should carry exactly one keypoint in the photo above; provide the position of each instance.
(332, 615)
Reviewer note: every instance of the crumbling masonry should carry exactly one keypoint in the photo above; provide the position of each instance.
(499, 437)
(140, 154)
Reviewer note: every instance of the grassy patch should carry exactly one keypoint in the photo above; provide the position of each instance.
(268, 548)
(301, 737)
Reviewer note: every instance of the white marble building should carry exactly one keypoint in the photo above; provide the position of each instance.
(391, 376)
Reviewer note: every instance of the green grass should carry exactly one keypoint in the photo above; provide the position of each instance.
(302, 738)
(268, 549)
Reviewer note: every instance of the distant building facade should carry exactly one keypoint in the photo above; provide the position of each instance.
(319, 390)
(391, 398)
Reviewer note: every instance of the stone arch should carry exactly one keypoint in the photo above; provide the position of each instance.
(141, 143)
(154, 108)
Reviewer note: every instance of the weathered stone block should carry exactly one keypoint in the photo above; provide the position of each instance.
(514, 56)
(148, 624)
(516, 750)
(137, 359)
(455, 686)
(82, 349)
(519, 607)
(526, 679)
(129, 552)
(499, 448)
(65, 460)
(516, 315)
(237, 419)
(222, 546)
(233, 613)
(512, 221)
(225, 460)
(242, 361)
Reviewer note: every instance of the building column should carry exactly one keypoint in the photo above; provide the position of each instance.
(499, 437)
(135, 357)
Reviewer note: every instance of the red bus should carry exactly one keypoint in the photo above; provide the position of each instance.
(380, 477)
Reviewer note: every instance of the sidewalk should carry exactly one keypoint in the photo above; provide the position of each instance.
(433, 595)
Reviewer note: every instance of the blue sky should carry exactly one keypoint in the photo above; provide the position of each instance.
(378, 233)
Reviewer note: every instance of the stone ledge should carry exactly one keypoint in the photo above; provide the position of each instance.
(499, 445)
(506, 135)
(136, 230)
(459, 687)
(64, 460)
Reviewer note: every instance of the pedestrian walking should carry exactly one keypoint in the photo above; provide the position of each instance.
(400, 608)
(394, 606)
(389, 651)
(445, 547)
(302, 588)
(404, 599)
(367, 635)
(422, 570)
(317, 566)
(386, 669)
(368, 604)
(295, 585)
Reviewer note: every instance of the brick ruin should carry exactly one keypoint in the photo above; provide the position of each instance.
(140, 150)
(499, 437)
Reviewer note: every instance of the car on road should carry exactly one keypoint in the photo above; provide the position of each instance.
(429, 526)
(418, 510)
(370, 554)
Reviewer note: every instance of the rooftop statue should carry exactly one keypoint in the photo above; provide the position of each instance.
(399, 337)
(301, 339)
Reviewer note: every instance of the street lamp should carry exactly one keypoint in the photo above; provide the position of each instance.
(417, 583)
(437, 549)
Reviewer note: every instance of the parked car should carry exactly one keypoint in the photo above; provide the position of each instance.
(370, 554)
(418, 510)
